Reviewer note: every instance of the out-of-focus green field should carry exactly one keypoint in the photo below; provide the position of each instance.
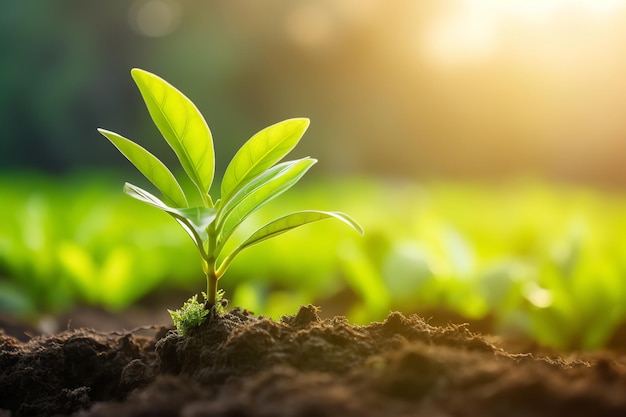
(540, 260)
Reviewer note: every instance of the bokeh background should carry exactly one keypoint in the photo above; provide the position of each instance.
(479, 142)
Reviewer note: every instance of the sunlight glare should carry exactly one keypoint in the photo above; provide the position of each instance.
(154, 18)
(466, 34)
(473, 30)
(309, 25)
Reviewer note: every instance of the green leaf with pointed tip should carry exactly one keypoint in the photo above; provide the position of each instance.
(260, 152)
(194, 220)
(287, 223)
(294, 220)
(182, 126)
(259, 191)
(150, 166)
(227, 205)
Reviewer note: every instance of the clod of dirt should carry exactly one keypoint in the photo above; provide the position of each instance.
(66, 372)
(241, 365)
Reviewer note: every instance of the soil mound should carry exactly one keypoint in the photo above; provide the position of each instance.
(241, 365)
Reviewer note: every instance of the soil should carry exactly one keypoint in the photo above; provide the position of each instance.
(242, 365)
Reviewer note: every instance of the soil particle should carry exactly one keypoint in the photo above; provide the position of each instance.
(241, 365)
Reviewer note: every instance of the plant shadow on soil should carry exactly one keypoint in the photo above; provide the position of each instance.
(241, 365)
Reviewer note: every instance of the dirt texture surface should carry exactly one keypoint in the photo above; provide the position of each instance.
(241, 365)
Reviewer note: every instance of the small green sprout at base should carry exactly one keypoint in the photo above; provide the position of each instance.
(193, 313)
(252, 178)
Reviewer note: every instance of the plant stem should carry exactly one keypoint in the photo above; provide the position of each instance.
(206, 199)
(211, 274)
(211, 277)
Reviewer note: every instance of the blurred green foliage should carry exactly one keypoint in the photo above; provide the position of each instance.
(79, 240)
(541, 261)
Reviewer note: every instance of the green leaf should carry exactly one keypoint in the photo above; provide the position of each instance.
(194, 220)
(287, 223)
(259, 191)
(182, 126)
(227, 205)
(150, 166)
(294, 220)
(260, 152)
(200, 218)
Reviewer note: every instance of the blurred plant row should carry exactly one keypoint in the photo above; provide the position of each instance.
(542, 261)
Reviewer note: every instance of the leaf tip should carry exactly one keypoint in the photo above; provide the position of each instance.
(137, 71)
(356, 226)
(350, 222)
(140, 76)
(304, 122)
(128, 187)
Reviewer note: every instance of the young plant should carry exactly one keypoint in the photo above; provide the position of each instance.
(253, 177)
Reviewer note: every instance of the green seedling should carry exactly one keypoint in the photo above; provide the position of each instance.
(253, 177)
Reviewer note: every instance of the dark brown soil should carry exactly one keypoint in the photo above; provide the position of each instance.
(240, 365)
